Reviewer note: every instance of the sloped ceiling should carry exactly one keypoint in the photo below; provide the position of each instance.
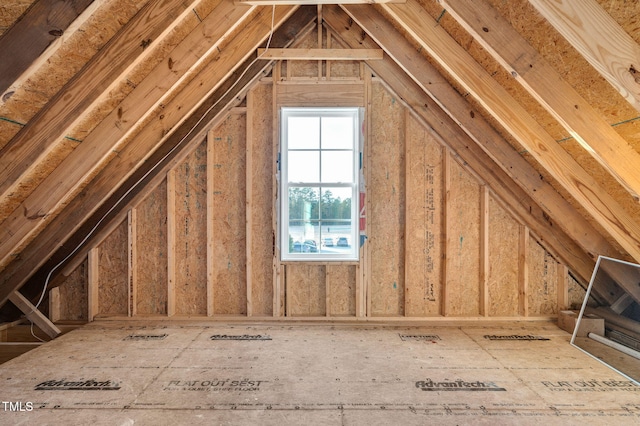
(96, 97)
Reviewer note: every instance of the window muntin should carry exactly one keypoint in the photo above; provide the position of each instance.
(319, 183)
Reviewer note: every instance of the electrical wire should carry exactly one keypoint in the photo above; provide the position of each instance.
(152, 169)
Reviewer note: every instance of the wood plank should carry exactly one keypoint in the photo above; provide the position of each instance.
(108, 137)
(314, 94)
(211, 266)
(560, 99)
(43, 23)
(248, 154)
(93, 283)
(34, 315)
(485, 269)
(311, 2)
(599, 38)
(171, 242)
(54, 304)
(120, 54)
(114, 187)
(563, 288)
(132, 270)
(279, 303)
(573, 178)
(320, 54)
(262, 210)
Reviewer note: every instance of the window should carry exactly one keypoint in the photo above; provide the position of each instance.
(320, 166)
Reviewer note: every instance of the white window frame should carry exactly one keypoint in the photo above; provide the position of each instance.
(353, 238)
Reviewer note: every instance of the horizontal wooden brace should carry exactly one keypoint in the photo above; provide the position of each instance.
(310, 2)
(321, 54)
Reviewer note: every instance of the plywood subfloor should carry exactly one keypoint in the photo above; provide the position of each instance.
(320, 374)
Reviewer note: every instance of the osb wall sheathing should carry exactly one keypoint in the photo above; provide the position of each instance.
(229, 230)
(423, 246)
(151, 253)
(190, 243)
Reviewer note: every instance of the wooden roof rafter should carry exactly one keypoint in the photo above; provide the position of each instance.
(546, 85)
(513, 117)
(600, 40)
(31, 145)
(106, 139)
(92, 206)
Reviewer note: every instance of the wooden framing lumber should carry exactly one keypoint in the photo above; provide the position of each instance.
(34, 315)
(523, 274)
(44, 22)
(115, 183)
(210, 233)
(574, 179)
(536, 199)
(533, 72)
(113, 131)
(320, 54)
(600, 40)
(171, 242)
(311, 2)
(93, 282)
(484, 250)
(34, 141)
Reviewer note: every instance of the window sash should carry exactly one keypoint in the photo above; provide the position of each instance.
(341, 242)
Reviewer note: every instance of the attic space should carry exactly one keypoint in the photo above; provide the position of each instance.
(321, 173)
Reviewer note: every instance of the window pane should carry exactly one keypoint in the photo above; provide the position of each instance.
(336, 205)
(304, 204)
(337, 166)
(304, 133)
(336, 238)
(303, 166)
(337, 133)
(304, 236)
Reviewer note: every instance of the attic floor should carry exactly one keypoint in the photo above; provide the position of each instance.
(319, 374)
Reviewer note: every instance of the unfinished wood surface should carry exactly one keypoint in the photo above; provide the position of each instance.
(535, 199)
(341, 287)
(33, 142)
(229, 226)
(423, 244)
(112, 273)
(73, 295)
(524, 256)
(599, 38)
(305, 288)
(339, 70)
(386, 193)
(261, 210)
(151, 253)
(543, 281)
(503, 261)
(319, 375)
(31, 35)
(560, 99)
(573, 178)
(33, 314)
(320, 54)
(575, 293)
(190, 287)
(319, 94)
(93, 281)
(463, 243)
(305, 69)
